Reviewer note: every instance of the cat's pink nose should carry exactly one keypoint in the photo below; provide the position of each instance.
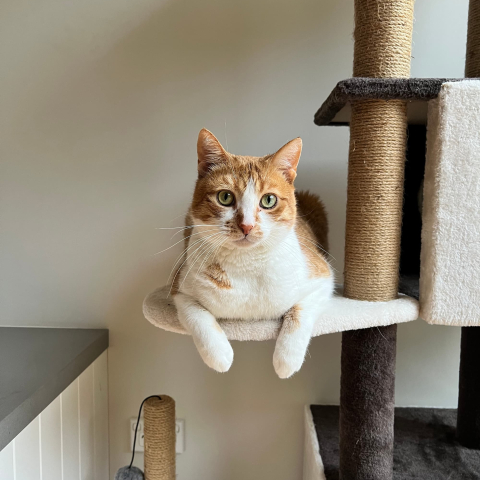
(246, 229)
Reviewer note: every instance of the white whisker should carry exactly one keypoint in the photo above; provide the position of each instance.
(317, 245)
(185, 227)
(186, 259)
(184, 252)
(316, 253)
(218, 243)
(306, 214)
(194, 226)
(183, 239)
(194, 262)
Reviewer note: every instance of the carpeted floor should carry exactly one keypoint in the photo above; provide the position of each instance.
(425, 446)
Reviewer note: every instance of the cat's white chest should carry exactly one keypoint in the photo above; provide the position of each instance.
(260, 287)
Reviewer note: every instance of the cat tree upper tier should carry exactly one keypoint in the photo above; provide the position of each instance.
(340, 314)
(416, 91)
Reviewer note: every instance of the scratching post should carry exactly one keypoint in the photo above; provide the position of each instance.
(159, 419)
(468, 417)
(378, 134)
(383, 31)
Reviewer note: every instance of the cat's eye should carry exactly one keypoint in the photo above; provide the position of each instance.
(269, 200)
(225, 198)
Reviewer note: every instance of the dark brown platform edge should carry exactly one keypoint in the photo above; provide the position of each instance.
(425, 446)
(360, 88)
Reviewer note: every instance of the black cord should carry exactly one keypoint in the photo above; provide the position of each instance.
(136, 428)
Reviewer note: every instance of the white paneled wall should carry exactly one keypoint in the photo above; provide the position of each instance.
(69, 439)
(51, 441)
(100, 392)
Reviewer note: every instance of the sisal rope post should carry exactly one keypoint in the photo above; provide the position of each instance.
(468, 414)
(383, 37)
(159, 431)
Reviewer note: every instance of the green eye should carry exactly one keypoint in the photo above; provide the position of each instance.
(225, 198)
(269, 200)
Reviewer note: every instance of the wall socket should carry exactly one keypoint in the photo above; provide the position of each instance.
(140, 444)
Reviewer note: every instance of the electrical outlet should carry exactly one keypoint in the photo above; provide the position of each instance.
(140, 443)
(180, 435)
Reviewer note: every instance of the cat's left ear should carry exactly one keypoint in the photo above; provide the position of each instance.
(287, 158)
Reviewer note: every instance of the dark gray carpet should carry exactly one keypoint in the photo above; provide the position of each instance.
(425, 446)
(378, 88)
(409, 285)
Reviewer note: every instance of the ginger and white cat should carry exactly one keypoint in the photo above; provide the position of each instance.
(254, 251)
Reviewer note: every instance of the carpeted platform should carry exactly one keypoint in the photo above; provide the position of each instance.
(339, 314)
(425, 445)
(335, 109)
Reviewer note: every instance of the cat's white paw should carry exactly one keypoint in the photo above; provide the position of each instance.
(286, 363)
(217, 353)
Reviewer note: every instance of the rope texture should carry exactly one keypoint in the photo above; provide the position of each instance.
(472, 62)
(159, 418)
(378, 136)
(383, 38)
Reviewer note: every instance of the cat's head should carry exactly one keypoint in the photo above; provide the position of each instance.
(248, 200)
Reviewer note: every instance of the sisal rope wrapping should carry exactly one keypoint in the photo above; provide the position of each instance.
(472, 62)
(159, 429)
(375, 196)
(383, 38)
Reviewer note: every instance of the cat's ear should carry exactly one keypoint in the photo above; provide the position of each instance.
(210, 152)
(287, 158)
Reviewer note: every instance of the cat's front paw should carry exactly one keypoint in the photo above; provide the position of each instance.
(217, 353)
(286, 363)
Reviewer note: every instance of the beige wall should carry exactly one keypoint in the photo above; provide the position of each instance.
(101, 102)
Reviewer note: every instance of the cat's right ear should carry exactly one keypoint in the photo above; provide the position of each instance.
(210, 152)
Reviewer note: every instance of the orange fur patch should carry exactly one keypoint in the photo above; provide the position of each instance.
(217, 275)
(312, 210)
(291, 319)
(317, 264)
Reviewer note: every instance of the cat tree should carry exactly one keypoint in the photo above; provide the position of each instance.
(450, 264)
(380, 103)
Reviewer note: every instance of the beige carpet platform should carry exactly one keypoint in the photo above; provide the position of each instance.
(340, 314)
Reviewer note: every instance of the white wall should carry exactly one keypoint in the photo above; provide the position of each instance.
(101, 102)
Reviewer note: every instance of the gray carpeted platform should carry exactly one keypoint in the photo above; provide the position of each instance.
(417, 90)
(425, 446)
